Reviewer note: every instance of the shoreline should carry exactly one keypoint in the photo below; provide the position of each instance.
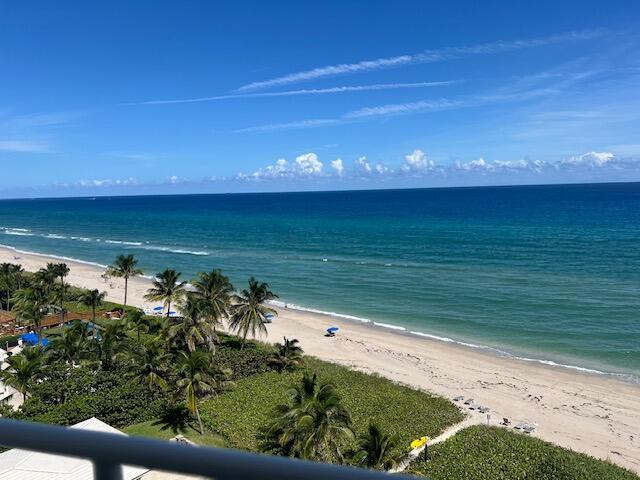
(489, 350)
(388, 327)
(587, 412)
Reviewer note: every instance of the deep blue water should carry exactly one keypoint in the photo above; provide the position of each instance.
(544, 272)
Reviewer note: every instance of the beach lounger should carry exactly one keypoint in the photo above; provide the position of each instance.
(506, 422)
(484, 409)
(468, 401)
(458, 399)
(529, 429)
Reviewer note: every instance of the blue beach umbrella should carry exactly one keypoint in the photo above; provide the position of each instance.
(30, 338)
(34, 339)
(172, 313)
(332, 329)
(158, 309)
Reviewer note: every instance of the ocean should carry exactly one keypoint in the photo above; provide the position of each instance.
(545, 273)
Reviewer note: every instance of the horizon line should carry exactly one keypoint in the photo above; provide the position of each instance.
(282, 192)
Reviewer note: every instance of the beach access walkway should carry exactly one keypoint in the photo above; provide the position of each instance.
(472, 419)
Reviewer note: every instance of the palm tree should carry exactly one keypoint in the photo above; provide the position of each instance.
(30, 304)
(109, 344)
(71, 345)
(59, 270)
(313, 425)
(124, 266)
(45, 278)
(137, 320)
(167, 288)
(196, 376)
(93, 299)
(193, 328)
(288, 355)
(248, 313)
(378, 450)
(10, 275)
(149, 360)
(216, 290)
(24, 369)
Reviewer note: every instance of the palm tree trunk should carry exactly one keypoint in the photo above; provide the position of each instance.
(93, 311)
(61, 299)
(126, 285)
(199, 421)
(8, 301)
(168, 308)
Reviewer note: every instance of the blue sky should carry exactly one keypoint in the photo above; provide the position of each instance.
(177, 97)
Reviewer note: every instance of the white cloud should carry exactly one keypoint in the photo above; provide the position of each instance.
(417, 161)
(402, 108)
(173, 179)
(382, 170)
(592, 159)
(427, 56)
(418, 164)
(309, 164)
(308, 91)
(363, 165)
(104, 182)
(21, 146)
(305, 165)
(338, 166)
(393, 109)
(500, 165)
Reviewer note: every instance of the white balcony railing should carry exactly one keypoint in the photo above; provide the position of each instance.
(108, 452)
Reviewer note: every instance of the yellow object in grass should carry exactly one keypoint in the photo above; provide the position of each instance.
(419, 442)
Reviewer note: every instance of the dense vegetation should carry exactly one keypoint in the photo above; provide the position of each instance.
(491, 453)
(69, 396)
(240, 414)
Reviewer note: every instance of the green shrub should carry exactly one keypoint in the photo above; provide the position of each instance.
(251, 360)
(8, 339)
(492, 453)
(239, 414)
(70, 396)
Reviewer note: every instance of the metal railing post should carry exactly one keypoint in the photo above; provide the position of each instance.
(106, 471)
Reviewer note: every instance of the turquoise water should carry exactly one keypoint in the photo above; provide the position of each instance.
(544, 272)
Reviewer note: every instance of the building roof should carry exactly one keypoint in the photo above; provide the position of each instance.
(7, 317)
(20, 464)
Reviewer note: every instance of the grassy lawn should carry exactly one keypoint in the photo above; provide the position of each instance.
(239, 414)
(147, 429)
(491, 453)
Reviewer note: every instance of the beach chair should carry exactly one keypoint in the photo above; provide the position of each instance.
(506, 422)
(468, 401)
(458, 399)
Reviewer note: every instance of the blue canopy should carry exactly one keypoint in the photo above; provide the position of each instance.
(269, 315)
(158, 309)
(34, 339)
(172, 313)
(332, 329)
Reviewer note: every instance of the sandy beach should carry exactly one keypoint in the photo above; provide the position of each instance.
(586, 412)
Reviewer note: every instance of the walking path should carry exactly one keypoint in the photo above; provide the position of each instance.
(472, 419)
